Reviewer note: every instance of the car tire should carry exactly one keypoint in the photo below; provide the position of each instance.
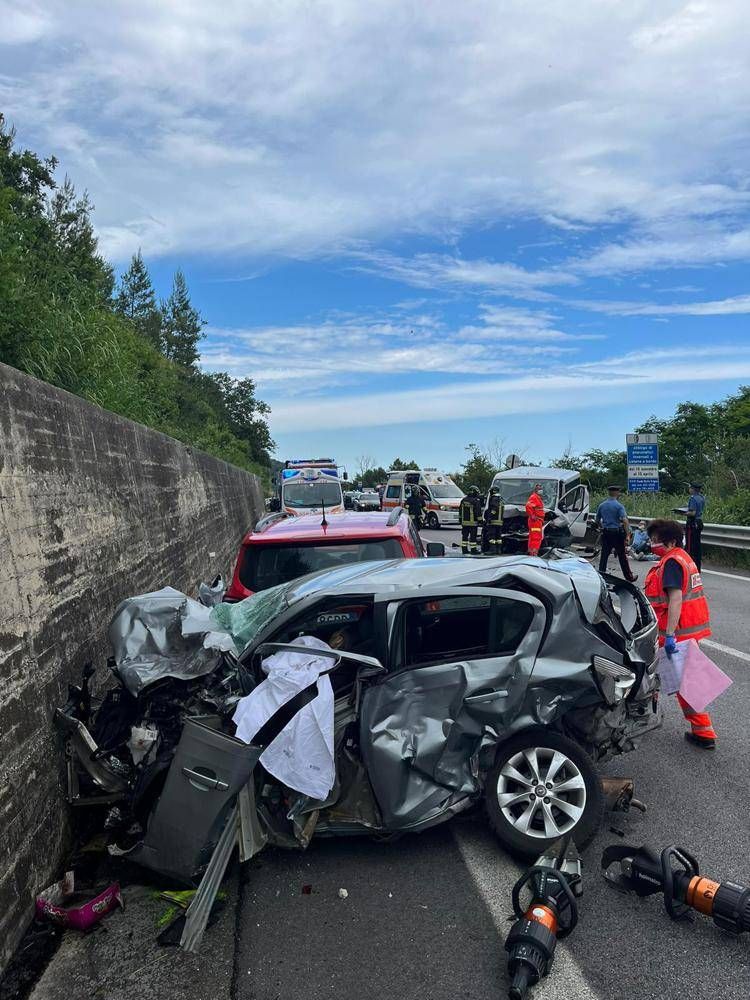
(559, 762)
(433, 522)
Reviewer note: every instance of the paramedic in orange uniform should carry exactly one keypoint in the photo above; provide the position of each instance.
(675, 591)
(535, 515)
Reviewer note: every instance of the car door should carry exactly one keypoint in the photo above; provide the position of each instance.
(576, 506)
(459, 661)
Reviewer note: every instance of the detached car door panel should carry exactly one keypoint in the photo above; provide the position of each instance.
(460, 662)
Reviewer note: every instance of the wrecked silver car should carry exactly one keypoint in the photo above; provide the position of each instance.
(451, 681)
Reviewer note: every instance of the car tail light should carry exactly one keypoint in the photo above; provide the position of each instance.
(615, 680)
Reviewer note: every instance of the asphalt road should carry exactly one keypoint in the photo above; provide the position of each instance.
(426, 916)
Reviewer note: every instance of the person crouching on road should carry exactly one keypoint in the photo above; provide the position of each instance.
(675, 590)
(612, 518)
(415, 504)
(493, 522)
(469, 515)
(641, 547)
(535, 519)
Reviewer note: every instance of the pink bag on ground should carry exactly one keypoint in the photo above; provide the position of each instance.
(61, 904)
(702, 681)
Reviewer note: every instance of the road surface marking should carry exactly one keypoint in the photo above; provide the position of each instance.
(726, 649)
(729, 576)
(494, 876)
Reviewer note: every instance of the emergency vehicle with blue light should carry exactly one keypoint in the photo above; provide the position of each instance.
(309, 486)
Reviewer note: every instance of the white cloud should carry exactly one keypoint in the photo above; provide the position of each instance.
(343, 348)
(563, 392)
(443, 271)
(298, 128)
(682, 246)
(734, 306)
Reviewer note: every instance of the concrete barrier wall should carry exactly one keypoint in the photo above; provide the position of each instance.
(93, 508)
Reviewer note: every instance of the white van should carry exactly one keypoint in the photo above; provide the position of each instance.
(562, 492)
(442, 495)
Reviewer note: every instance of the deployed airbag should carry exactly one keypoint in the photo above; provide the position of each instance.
(301, 756)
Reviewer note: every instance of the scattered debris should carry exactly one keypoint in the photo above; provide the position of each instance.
(307, 890)
(343, 894)
(61, 904)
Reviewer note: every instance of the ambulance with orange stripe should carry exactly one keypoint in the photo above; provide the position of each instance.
(309, 486)
(441, 494)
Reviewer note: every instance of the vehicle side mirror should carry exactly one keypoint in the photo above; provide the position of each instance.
(275, 504)
(435, 549)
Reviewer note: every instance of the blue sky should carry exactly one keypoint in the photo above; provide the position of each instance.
(419, 225)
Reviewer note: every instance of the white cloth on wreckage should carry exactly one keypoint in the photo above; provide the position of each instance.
(301, 756)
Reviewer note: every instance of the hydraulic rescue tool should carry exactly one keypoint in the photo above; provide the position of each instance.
(675, 874)
(550, 914)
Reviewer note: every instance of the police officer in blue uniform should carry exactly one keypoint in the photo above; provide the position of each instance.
(694, 523)
(612, 519)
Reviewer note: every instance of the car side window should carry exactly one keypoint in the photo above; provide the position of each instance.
(470, 627)
(577, 500)
(393, 492)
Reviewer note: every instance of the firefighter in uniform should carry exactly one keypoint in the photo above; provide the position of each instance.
(493, 523)
(469, 515)
(535, 517)
(675, 590)
(415, 504)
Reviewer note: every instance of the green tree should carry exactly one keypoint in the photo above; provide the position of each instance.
(182, 325)
(397, 465)
(478, 470)
(688, 446)
(59, 323)
(136, 301)
(374, 477)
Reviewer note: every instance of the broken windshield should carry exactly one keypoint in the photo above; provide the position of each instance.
(248, 618)
(518, 491)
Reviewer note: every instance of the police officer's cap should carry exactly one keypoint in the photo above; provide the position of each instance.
(696, 486)
(614, 489)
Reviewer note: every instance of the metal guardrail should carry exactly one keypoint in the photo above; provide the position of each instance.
(725, 536)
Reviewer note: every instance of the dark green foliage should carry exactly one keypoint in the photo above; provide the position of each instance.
(136, 301)
(182, 325)
(374, 477)
(58, 322)
(478, 470)
(707, 444)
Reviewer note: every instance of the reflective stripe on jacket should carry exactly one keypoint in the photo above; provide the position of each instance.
(695, 620)
(494, 512)
(469, 511)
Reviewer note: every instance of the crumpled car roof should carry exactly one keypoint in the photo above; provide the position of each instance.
(402, 574)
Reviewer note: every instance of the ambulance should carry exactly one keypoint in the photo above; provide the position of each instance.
(442, 495)
(308, 486)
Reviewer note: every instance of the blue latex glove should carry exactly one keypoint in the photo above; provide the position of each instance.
(670, 646)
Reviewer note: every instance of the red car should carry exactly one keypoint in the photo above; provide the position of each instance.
(282, 548)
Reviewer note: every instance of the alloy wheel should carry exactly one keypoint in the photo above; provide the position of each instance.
(541, 792)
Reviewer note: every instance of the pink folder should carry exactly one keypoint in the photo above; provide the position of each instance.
(702, 681)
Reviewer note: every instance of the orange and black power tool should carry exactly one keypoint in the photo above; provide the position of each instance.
(549, 913)
(674, 873)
